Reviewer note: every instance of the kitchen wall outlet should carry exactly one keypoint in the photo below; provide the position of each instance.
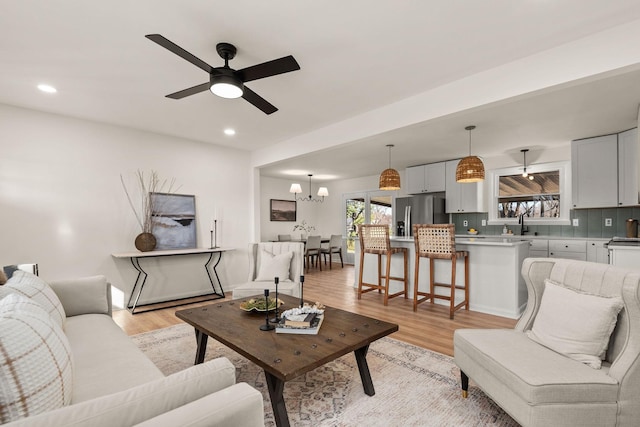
(484, 222)
(608, 222)
(465, 223)
(576, 222)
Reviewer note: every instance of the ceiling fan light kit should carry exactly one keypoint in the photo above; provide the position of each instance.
(225, 81)
(389, 178)
(470, 168)
(226, 86)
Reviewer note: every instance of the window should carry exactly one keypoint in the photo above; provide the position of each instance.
(542, 196)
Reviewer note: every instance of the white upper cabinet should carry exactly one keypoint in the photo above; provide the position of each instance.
(425, 178)
(628, 160)
(604, 171)
(465, 197)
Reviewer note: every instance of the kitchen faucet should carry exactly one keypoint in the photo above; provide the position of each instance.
(523, 228)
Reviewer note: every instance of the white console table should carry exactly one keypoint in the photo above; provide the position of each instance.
(141, 279)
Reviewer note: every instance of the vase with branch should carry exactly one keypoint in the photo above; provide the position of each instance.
(144, 209)
(305, 228)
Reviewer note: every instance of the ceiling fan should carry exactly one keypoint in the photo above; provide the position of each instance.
(225, 81)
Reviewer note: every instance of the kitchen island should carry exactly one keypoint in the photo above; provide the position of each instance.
(495, 283)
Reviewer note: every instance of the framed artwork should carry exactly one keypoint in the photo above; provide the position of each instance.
(283, 210)
(174, 220)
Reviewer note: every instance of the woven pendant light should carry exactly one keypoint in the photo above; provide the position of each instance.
(470, 168)
(389, 178)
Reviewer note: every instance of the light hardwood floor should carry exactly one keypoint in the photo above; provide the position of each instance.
(429, 327)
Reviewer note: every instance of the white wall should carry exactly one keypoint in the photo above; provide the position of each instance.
(62, 204)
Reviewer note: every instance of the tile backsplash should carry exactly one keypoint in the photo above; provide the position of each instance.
(591, 224)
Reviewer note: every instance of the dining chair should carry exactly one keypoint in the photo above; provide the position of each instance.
(335, 247)
(284, 237)
(313, 250)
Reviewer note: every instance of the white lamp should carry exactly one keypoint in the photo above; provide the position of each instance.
(323, 192)
(295, 188)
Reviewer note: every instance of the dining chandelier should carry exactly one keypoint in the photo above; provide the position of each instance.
(295, 189)
(470, 168)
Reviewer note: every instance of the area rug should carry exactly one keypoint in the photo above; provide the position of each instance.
(414, 386)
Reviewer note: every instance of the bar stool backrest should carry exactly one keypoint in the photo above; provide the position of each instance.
(435, 240)
(374, 238)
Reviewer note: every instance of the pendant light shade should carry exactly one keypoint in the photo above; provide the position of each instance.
(389, 178)
(470, 168)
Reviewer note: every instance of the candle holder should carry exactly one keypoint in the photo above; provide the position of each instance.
(267, 326)
(301, 291)
(214, 235)
(277, 318)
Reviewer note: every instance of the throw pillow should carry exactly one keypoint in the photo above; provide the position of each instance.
(575, 324)
(32, 286)
(272, 265)
(36, 372)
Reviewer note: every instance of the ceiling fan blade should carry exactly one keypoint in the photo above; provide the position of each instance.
(258, 101)
(191, 91)
(169, 45)
(268, 69)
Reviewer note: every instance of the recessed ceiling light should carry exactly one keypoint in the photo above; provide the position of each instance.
(229, 131)
(47, 88)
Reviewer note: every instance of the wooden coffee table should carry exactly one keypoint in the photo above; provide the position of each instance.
(286, 356)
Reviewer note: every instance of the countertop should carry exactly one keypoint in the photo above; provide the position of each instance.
(475, 241)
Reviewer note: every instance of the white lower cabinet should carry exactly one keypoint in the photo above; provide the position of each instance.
(570, 249)
(539, 248)
(583, 250)
(597, 251)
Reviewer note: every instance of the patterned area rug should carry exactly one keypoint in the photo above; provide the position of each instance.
(414, 386)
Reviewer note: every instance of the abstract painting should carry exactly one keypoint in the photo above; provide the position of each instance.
(174, 220)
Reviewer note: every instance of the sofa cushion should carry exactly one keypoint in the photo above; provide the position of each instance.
(575, 324)
(36, 369)
(272, 265)
(535, 373)
(32, 286)
(106, 360)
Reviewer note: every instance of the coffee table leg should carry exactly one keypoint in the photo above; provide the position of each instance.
(201, 340)
(363, 367)
(276, 387)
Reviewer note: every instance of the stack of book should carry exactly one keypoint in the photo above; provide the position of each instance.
(305, 323)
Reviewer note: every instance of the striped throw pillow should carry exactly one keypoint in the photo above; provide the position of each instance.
(36, 366)
(33, 287)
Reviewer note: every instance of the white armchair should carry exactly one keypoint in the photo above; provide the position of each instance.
(273, 259)
(538, 386)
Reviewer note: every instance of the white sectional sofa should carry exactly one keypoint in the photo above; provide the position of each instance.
(92, 374)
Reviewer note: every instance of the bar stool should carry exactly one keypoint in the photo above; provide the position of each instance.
(374, 239)
(437, 241)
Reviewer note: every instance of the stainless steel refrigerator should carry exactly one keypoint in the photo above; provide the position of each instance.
(419, 209)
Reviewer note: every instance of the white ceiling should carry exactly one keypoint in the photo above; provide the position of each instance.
(355, 56)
